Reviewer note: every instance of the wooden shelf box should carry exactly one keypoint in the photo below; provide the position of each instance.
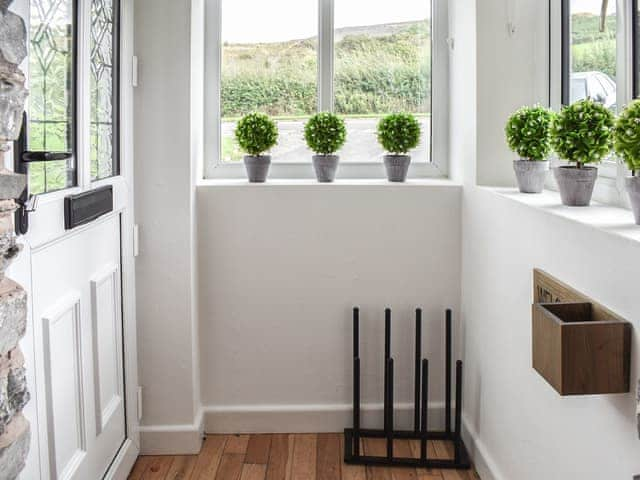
(581, 349)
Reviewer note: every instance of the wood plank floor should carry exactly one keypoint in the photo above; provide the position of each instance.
(289, 457)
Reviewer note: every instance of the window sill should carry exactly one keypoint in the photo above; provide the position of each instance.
(606, 218)
(341, 183)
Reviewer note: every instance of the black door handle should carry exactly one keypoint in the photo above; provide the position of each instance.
(35, 157)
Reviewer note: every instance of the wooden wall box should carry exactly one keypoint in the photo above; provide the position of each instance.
(579, 346)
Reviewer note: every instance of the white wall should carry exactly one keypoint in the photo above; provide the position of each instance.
(512, 71)
(524, 427)
(165, 209)
(280, 269)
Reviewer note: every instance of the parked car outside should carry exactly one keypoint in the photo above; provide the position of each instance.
(598, 86)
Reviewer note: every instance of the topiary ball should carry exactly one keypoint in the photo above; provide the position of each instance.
(325, 133)
(627, 136)
(528, 132)
(399, 132)
(256, 133)
(583, 132)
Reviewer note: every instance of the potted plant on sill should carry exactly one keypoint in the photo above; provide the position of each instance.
(528, 134)
(256, 133)
(325, 133)
(582, 133)
(627, 146)
(398, 133)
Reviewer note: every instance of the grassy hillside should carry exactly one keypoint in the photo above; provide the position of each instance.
(378, 69)
(592, 49)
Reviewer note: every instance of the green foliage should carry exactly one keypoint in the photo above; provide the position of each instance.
(529, 132)
(378, 70)
(598, 56)
(591, 49)
(325, 133)
(627, 136)
(583, 132)
(256, 133)
(399, 132)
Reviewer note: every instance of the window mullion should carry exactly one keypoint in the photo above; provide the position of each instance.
(325, 55)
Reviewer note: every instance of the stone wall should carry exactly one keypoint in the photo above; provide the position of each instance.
(14, 428)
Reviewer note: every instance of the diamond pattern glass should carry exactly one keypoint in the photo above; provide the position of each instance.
(51, 92)
(103, 83)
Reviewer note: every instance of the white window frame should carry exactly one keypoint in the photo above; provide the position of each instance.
(214, 167)
(611, 173)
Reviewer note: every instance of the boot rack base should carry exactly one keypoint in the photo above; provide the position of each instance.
(420, 432)
(463, 463)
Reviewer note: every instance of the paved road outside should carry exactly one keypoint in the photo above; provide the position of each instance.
(362, 144)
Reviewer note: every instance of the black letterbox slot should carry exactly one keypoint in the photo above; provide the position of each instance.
(87, 206)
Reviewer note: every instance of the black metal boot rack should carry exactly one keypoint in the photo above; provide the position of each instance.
(352, 453)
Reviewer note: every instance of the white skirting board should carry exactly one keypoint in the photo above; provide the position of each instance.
(307, 418)
(482, 461)
(172, 439)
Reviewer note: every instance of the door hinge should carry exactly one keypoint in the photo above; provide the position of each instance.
(134, 71)
(139, 404)
(136, 240)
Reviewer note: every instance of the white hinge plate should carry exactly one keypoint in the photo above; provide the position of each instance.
(136, 241)
(139, 404)
(134, 71)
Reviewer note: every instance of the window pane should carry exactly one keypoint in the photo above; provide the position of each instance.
(51, 92)
(103, 87)
(593, 52)
(269, 65)
(382, 66)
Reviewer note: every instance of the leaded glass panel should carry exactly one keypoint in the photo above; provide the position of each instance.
(103, 58)
(51, 85)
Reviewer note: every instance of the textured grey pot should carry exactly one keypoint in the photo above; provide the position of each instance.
(531, 175)
(397, 167)
(576, 185)
(325, 167)
(633, 187)
(257, 167)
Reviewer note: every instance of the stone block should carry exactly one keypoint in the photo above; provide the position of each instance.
(14, 394)
(14, 448)
(13, 315)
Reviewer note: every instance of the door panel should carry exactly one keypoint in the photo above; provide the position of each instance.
(63, 383)
(77, 294)
(105, 307)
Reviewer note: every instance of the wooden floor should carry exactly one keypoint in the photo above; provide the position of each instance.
(289, 457)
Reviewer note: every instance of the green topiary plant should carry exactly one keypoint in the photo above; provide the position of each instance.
(325, 133)
(627, 136)
(398, 133)
(583, 132)
(256, 133)
(528, 133)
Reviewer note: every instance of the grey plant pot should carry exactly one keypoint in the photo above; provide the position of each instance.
(257, 167)
(325, 167)
(576, 185)
(633, 188)
(531, 175)
(397, 167)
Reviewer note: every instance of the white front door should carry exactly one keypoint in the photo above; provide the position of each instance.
(74, 111)
(78, 320)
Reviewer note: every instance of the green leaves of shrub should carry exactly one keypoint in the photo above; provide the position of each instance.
(627, 136)
(583, 132)
(325, 133)
(256, 133)
(529, 132)
(399, 132)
